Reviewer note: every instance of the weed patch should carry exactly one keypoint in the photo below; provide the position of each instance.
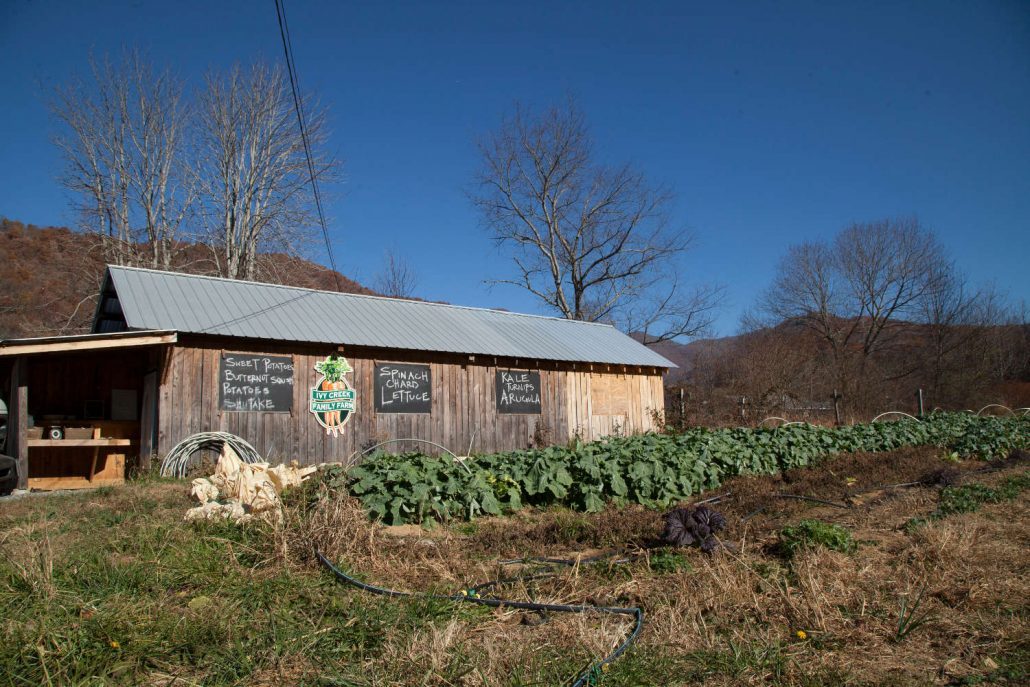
(665, 561)
(814, 533)
(910, 618)
(968, 498)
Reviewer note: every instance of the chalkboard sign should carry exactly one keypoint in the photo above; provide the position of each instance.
(255, 383)
(402, 388)
(518, 392)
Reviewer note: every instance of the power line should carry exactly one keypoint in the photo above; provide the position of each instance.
(291, 70)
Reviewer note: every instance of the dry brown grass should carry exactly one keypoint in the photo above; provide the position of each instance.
(731, 618)
(727, 619)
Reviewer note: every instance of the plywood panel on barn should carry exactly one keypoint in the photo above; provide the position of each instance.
(610, 394)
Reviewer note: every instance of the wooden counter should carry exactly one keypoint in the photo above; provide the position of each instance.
(81, 463)
(75, 443)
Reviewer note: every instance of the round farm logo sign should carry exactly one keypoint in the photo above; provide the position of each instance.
(332, 398)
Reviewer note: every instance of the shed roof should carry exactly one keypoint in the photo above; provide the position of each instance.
(151, 299)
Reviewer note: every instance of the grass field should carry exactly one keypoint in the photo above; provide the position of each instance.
(111, 587)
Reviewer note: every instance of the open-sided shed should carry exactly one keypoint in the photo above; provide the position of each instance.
(316, 376)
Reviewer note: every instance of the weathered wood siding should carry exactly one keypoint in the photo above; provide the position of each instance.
(463, 405)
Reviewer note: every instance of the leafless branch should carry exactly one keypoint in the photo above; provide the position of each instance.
(123, 138)
(252, 169)
(397, 278)
(591, 241)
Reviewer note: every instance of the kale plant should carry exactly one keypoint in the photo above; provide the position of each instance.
(693, 526)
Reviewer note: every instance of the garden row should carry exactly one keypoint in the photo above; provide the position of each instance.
(655, 470)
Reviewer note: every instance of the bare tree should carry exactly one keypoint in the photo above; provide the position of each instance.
(954, 318)
(887, 267)
(778, 372)
(397, 278)
(123, 139)
(253, 171)
(589, 240)
(855, 292)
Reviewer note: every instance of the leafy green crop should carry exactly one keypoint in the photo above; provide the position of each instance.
(650, 469)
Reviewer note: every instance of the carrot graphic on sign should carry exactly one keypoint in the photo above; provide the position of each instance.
(332, 398)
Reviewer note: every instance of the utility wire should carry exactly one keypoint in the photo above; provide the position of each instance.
(291, 70)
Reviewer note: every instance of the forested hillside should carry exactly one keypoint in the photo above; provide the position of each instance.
(51, 277)
(786, 371)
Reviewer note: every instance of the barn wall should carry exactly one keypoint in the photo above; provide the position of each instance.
(462, 414)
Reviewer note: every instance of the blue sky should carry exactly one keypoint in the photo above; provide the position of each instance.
(773, 122)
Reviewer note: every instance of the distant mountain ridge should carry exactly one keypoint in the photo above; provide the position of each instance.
(684, 355)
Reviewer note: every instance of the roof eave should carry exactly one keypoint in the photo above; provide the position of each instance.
(86, 342)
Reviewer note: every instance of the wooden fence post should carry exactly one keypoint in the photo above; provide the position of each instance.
(18, 420)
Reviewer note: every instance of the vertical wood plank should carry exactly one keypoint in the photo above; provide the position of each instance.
(17, 420)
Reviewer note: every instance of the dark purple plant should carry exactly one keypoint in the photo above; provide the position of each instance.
(693, 527)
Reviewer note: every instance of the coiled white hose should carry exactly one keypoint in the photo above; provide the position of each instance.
(176, 463)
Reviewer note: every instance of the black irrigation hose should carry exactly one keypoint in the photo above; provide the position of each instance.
(844, 506)
(754, 513)
(563, 561)
(798, 497)
(585, 678)
(713, 499)
(511, 580)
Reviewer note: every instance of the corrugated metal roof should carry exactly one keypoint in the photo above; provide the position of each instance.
(153, 299)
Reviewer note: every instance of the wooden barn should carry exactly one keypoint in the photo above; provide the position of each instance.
(309, 375)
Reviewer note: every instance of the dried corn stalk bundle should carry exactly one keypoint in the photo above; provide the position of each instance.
(240, 491)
